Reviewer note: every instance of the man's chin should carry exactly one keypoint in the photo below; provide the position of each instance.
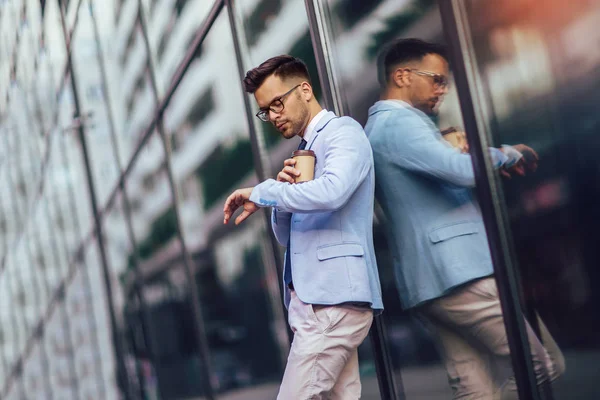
(288, 134)
(431, 111)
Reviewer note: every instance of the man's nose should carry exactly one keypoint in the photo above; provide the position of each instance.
(273, 115)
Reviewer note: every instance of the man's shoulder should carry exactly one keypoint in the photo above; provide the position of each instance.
(395, 114)
(343, 122)
(398, 119)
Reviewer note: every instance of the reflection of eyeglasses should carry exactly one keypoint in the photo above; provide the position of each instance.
(276, 106)
(439, 81)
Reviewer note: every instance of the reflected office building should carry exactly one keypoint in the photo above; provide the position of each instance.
(124, 126)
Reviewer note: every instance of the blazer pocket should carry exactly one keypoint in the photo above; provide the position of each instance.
(451, 231)
(339, 250)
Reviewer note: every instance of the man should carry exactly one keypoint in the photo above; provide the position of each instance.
(440, 251)
(331, 283)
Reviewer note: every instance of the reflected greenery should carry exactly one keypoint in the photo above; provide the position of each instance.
(350, 12)
(223, 170)
(256, 22)
(163, 229)
(398, 23)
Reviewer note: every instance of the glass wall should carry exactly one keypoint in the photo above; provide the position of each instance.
(121, 142)
(542, 81)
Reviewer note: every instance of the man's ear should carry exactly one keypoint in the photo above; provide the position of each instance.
(401, 77)
(307, 91)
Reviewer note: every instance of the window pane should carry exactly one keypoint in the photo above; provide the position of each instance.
(54, 42)
(71, 10)
(262, 25)
(212, 156)
(103, 324)
(92, 102)
(171, 30)
(359, 31)
(543, 81)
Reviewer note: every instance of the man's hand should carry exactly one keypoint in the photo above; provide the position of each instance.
(517, 169)
(459, 140)
(529, 161)
(530, 157)
(236, 199)
(288, 173)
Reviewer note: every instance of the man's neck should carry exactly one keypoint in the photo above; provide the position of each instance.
(314, 110)
(311, 121)
(395, 95)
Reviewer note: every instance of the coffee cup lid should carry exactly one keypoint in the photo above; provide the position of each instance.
(298, 153)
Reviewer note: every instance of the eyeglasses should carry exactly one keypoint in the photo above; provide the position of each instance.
(439, 81)
(276, 105)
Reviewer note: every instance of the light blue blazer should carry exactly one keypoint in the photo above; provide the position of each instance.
(329, 220)
(424, 186)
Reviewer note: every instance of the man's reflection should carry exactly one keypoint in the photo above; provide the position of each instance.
(441, 257)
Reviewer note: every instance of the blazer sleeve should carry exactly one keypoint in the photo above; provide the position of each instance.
(280, 223)
(412, 144)
(347, 161)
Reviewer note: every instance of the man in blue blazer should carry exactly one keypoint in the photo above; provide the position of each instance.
(440, 251)
(331, 282)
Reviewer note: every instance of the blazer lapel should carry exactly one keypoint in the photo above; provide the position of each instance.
(321, 125)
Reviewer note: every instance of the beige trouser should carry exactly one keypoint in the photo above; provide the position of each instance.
(323, 360)
(470, 328)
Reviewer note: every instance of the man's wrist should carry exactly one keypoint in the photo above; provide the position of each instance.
(514, 156)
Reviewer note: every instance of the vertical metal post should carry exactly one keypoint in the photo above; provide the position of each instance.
(273, 265)
(200, 329)
(118, 348)
(320, 32)
(489, 190)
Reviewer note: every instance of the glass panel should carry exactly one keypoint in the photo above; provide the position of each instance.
(84, 331)
(159, 359)
(171, 31)
(270, 28)
(33, 374)
(119, 251)
(359, 30)
(93, 109)
(103, 325)
(59, 349)
(54, 42)
(138, 104)
(247, 340)
(542, 80)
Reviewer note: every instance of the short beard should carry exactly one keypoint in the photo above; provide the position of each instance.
(301, 123)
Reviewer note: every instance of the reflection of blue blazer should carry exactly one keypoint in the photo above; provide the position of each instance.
(330, 219)
(438, 240)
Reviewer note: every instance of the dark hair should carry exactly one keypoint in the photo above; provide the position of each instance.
(283, 66)
(404, 51)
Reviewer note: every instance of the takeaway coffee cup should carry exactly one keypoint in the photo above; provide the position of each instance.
(305, 162)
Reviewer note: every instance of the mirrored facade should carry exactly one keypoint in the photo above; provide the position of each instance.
(124, 126)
